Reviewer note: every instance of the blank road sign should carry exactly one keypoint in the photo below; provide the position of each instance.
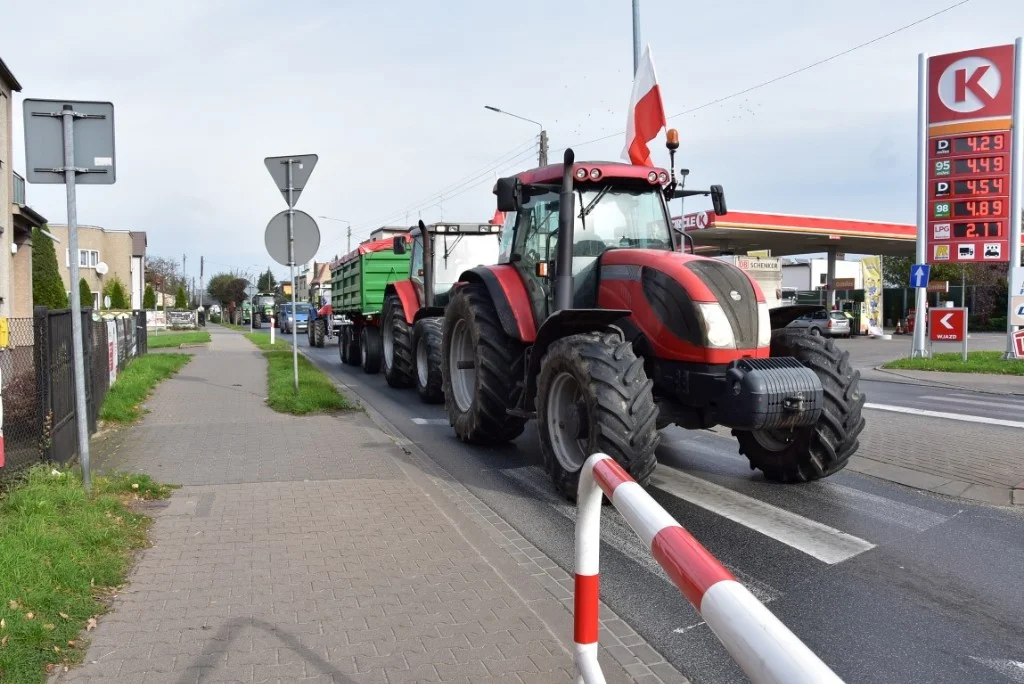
(306, 233)
(93, 139)
(302, 166)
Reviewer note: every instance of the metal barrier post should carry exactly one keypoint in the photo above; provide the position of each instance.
(761, 645)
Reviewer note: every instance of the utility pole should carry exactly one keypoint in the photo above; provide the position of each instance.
(636, 35)
(349, 235)
(543, 148)
(542, 156)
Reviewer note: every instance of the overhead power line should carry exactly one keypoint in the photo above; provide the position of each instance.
(789, 74)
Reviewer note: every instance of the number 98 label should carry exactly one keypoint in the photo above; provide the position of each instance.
(941, 210)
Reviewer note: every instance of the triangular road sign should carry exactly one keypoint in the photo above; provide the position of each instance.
(302, 165)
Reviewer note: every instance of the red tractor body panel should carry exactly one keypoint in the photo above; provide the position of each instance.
(517, 298)
(407, 294)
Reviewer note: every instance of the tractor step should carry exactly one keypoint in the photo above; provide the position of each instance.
(520, 413)
(466, 365)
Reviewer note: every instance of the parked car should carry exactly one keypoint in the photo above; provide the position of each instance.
(822, 322)
(299, 321)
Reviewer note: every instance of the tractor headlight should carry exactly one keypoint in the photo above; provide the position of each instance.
(717, 328)
(764, 325)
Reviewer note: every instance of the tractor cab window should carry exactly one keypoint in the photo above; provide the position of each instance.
(416, 258)
(458, 253)
(508, 236)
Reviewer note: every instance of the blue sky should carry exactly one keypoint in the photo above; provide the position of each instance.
(391, 96)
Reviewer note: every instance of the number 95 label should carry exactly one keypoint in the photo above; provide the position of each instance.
(942, 168)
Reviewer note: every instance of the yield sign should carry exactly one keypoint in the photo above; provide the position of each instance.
(301, 166)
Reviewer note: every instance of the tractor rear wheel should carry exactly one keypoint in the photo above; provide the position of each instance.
(819, 450)
(593, 396)
(370, 349)
(398, 347)
(482, 368)
(319, 328)
(428, 336)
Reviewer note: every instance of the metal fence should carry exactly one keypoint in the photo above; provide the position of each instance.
(38, 381)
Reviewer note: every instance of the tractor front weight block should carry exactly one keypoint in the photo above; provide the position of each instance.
(770, 394)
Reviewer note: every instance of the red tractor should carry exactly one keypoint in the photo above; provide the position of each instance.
(414, 307)
(597, 325)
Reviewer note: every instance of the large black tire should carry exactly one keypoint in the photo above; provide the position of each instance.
(818, 450)
(343, 346)
(397, 344)
(319, 330)
(370, 349)
(593, 396)
(495, 385)
(428, 335)
(353, 356)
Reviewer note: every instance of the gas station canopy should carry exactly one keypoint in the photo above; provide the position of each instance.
(739, 232)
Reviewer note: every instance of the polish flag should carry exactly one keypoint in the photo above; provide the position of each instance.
(646, 113)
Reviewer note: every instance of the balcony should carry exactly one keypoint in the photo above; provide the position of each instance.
(18, 190)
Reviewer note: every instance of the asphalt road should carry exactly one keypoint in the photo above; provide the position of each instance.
(886, 584)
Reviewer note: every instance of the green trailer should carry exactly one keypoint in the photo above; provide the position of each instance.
(358, 281)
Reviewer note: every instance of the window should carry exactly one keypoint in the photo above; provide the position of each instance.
(507, 238)
(87, 258)
(416, 260)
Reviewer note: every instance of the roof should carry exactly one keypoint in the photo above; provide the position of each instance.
(786, 234)
(6, 74)
(365, 248)
(552, 173)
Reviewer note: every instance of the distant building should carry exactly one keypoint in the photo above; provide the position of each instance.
(387, 231)
(122, 251)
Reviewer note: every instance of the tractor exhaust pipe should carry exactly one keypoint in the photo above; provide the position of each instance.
(428, 265)
(566, 217)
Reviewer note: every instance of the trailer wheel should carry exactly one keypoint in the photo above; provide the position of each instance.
(477, 398)
(593, 396)
(428, 336)
(370, 349)
(352, 338)
(343, 345)
(818, 450)
(397, 344)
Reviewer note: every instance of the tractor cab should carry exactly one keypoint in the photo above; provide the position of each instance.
(448, 250)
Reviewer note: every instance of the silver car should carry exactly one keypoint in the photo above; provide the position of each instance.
(822, 322)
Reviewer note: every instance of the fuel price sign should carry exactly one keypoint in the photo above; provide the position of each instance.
(969, 163)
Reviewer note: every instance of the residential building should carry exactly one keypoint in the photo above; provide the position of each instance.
(16, 219)
(123, 252)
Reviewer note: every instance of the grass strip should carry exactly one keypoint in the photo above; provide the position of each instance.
(988, 362)
(63, 553)
(317, 394)
(135, 383)
(173, 339)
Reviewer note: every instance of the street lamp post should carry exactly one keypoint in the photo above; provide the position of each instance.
(542, 157)
(349, 230)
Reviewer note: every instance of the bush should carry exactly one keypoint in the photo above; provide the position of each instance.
(84, 293)
(180, 301)
(47, 287)
(115, 289)
(149, 299)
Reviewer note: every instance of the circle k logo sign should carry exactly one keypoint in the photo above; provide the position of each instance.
(969, 84)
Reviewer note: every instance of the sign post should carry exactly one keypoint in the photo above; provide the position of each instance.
(72, 142)
(290, 174)
(1016, 208)
(919, 282)
(949, 325)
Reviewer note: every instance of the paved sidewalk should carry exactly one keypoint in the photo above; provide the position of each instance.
(316, 549)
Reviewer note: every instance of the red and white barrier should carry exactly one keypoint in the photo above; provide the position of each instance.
(759, 643)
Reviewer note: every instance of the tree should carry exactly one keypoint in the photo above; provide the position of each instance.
(149, 298)
(84, 293)
(163, 273)
(47, 287)
(227, 288)
(266, 282)
(180, 300)
(117, 292)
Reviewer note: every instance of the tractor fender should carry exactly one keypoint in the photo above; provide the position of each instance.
(562, 324)
(406, 292)
(510, 299)
(429, 312)
(781, 316)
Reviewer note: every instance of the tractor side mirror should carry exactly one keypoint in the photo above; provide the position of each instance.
(510, 194)
(718, 200)
(399, 245)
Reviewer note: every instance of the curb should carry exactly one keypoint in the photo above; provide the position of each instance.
(974, 492)
(925, 382)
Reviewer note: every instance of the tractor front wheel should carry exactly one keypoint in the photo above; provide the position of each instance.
(428, 335)
(593, 396)
(819, 450)
(481, 368)
(398, 347)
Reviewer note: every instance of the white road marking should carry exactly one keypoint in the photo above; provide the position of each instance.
(972, 402)
(818, 540)
(874, 506)
(684, 630)
(946, 416)
(1011, 669)
(430, 421)
(620, 535)
(1000, 400)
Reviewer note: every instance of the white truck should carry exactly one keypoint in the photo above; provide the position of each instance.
(767, 271)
